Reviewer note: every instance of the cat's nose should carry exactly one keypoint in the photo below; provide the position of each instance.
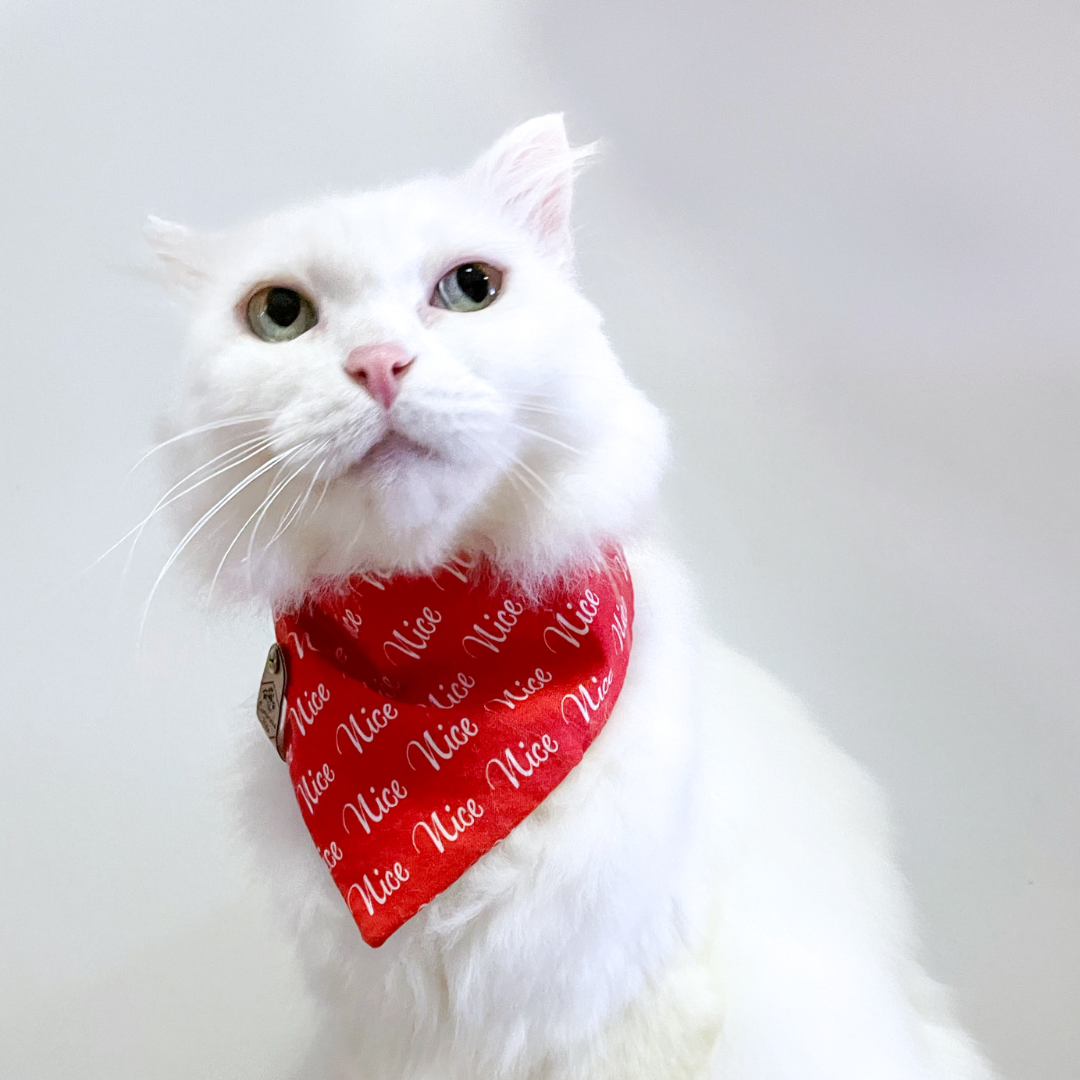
(378, 369)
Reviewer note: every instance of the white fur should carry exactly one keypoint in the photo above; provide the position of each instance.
(711, 891)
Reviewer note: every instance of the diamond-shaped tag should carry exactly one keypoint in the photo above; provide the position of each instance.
(270, 706)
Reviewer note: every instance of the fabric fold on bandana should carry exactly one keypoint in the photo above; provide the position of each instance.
(428, 716)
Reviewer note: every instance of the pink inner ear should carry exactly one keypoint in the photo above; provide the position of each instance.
(532, 171)
(550, 215)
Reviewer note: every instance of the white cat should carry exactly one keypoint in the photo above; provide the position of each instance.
(381, 380)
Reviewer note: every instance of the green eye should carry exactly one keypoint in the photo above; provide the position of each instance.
(280, 314)
(468, 287)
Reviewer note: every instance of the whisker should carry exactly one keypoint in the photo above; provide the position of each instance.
(520, 480)
(298, 503)
(287, 516)
(356, 535)
(236, 455)
(214, 425)
(260, 445)
(194, 530)
(518, 483)
(261, 508)
(318, 502)
(539, 495)
(546, 410)
(311, 488)
(547, 438)
(165, 501)
(535, 475)
(277, 490)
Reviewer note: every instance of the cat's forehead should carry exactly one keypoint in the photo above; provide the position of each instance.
(358, 240)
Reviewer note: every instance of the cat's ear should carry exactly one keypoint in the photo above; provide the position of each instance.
(530, 173)
(183, 255)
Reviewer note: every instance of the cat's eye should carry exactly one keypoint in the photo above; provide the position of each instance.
(279, 314)
(468, 287)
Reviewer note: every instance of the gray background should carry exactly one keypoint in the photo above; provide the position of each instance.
(836, 242)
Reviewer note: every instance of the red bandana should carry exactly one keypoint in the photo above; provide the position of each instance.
(427, 716)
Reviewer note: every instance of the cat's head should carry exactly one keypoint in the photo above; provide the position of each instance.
(377, 381)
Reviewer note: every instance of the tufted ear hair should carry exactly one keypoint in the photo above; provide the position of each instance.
(530, 173)
(184, 256)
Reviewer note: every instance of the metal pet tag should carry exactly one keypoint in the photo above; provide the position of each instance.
(270, 707)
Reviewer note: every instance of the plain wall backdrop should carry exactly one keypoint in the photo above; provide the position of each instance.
(838, 243)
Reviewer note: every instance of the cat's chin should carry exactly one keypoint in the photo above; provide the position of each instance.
(413, 501)
(411, 488)
(388, 457)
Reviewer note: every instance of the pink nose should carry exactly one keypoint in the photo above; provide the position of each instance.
(379, 368)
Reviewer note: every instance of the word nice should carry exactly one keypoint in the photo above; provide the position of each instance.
(456, 694)
(464, 817)
(532, 685)
(534, 755)
(313, 785)
(366, 728)
(587, 607)
(453, 741)
(496, 630)
(583, 702)
(385, 801)
(372, 893)
(419, 634)
(303, 711)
